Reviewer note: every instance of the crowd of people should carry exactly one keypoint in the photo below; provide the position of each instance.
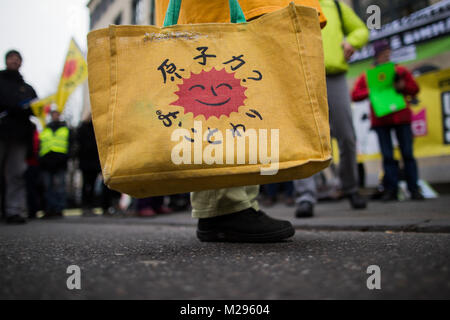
(34, 165)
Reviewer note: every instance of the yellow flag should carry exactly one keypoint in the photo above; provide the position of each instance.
(42, 107)
(74, 74)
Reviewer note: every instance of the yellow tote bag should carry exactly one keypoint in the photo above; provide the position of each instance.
(206, 106)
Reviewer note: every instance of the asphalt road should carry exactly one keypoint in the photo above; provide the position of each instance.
(145, 261)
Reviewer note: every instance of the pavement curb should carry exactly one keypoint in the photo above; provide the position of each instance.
(312, 224)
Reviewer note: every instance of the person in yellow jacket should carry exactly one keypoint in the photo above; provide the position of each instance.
(54, 144)
(343, 34)
(232, 214)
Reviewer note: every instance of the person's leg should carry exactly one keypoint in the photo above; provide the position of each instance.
(144, 207)
(232, 214)
(106, 198)
(158, 205)
(59, 190)
(47, 179)
(361, 175)
(341, 124)
(85, 189)
(179, 202)
(271, 194)
(3, 152)
(32, 187)
(110, 198)
(405, 139)
(390, 165)
(144, 203)
(213, 203)
(306, 191)
(88, 189)
(272, 190)
(288, 187)
(40, 190)
(15, 193)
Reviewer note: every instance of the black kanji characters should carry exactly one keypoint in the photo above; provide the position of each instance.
(233, 59)
(253, 114)
(236, 129)
(203, 55)
(167, 118)
(169, 68)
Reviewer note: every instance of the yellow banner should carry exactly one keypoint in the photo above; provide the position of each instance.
(41, 107)
(431, 116)
(74, 74)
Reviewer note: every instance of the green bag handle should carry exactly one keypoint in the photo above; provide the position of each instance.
(173, 12)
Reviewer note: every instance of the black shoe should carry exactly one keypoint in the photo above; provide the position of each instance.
(247, 225)
(417, 195)
(304, 210)
(16, 219)
(389, 195)
(357, 201)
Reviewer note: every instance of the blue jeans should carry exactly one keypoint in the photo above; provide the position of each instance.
(55, 190)
(390, 165)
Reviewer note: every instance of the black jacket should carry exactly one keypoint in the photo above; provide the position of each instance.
(55, 161)
(87, 148)
(15, 124)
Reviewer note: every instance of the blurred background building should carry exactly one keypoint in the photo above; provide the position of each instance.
(106, 12)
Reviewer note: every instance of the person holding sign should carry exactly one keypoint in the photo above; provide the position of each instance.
(387, 85)
(16, 134)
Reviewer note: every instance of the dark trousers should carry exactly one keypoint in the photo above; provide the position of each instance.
(273, 188)
(35, 190)
(110, 198)
(55, 191)
(151, 202)
(12, 178)
(390, 165)
(88, 189)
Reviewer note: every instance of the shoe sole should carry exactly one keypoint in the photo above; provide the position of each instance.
(229, 236)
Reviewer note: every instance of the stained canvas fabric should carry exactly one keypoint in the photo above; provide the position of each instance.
(206, 86)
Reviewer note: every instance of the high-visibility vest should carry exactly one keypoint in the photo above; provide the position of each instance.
(54, 141)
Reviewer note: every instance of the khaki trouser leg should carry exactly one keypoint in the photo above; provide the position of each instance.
(212, 203)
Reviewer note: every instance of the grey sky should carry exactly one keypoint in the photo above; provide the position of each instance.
(41, 30)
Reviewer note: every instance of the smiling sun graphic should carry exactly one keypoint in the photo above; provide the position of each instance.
(211, 93)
